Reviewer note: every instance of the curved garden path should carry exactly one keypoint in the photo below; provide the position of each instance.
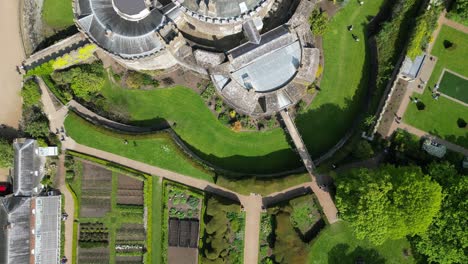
(252, 204)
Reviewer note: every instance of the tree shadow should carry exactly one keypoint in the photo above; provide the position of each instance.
(9, 133)
(341, 254)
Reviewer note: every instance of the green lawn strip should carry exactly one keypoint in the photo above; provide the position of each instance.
(263, 186)
(157, 149)
(337, 244)
(58, 13)
(344, 81)
(454, 86)
(440, 116)
(75, 189)
(157, 221)
(260, 152)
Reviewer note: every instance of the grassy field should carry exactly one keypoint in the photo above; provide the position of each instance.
(345, 79)
(440, 116)
(260, 152)
(454, 86)
(58, 13)
(262, 186)
(158, 150)
(337, 245)
(157, 221)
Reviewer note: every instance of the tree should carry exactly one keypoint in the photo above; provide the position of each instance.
(37, 129)
(363, 150)
(318, 21)
(6, 154)
(446, 238)
(30, 93)
(388, 203)
(84, 80)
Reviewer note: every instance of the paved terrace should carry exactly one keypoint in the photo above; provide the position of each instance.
(323, 196)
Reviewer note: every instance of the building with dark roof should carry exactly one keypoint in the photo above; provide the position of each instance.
(29, 222)
(257, 72)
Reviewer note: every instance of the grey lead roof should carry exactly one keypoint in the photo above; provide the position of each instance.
(129, 39)
(29, 168)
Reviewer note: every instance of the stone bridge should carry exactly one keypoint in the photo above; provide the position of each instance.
(322, 193)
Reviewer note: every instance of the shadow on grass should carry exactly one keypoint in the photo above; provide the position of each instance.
(340, 254)
(458, 140)
(60, 35)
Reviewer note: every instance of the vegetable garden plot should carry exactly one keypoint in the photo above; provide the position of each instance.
(131, 232)
(93, 255)
(129, 191)
(129, 260)
(96, 190)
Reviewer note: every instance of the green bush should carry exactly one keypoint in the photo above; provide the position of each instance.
(30, 93)
(84, 80)
(363, 150)
(137, 80)
(6, 154)
(318, 21)
(43, 69)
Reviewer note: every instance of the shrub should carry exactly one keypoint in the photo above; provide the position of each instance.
(420, 105)
(6, 154)
(30, 93)
(136, 80)
(461, 123)
(85, 80)
(363, 150)
(43, 69)
(318, 21)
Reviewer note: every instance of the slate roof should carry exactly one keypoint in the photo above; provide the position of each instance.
(126, 38)
(47, 229)
(29, 168)
(15, 229)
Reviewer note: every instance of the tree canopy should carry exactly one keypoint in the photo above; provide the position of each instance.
(388, 203)
(446, 239)
(6, 154)
(84, 81)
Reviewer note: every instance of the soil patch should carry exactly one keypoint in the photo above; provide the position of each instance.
(179, 255)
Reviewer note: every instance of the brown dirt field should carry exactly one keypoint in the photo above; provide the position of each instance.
(94, 207)
(93, 255)
(96, 176)
(129, 260)
(131, 232)
(179, 255)
(129, 183)
(130, 200)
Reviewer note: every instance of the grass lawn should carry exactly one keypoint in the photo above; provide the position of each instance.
(58, 13)
(440, 117)
(262, 186)
(344, 81)
(454, 86)
(255, 152)
(158, 150)
(337, 244)
(157, 221)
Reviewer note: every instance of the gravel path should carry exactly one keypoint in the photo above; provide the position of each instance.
(13, 55)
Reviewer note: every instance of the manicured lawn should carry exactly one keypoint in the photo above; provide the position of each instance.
(260, 152)
(337, 245)
(454, 86)
(262, 186)
(58, 13)
(440, 116)
(158, 150)
(157, 221)
(344, 80)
